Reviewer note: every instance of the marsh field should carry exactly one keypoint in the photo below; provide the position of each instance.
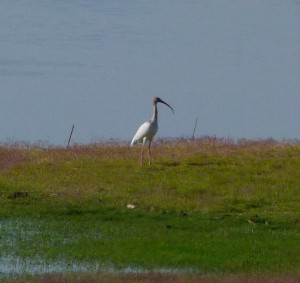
(206, 210)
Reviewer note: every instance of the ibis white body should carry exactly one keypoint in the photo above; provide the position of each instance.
(147, 130)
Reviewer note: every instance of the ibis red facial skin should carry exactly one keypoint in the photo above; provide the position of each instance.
(147, 130)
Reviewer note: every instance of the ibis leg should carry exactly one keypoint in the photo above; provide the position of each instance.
(142, 153)
(149, 152)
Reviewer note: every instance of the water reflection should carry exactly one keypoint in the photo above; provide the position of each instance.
(12, 266)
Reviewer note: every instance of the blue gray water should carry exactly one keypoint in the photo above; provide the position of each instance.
(97, 64)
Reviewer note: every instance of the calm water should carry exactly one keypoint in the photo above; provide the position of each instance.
(97, 64)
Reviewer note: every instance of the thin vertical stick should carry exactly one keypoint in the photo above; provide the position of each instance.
(193, 136)
(70, 136)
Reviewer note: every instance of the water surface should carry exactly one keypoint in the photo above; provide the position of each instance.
(97, 64)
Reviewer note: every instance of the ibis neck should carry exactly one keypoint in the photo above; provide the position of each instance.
(154, 115)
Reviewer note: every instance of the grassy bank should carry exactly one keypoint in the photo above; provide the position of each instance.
(208, 206)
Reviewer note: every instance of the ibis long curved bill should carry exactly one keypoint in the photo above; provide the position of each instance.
(161, 101)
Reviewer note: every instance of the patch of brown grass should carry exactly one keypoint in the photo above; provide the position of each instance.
(169, 151)
(210, 146)
(10, 158)
(176, 148)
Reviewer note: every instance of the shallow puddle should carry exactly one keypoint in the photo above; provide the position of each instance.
(12, 266)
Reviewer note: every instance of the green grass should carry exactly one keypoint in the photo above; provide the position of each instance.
(207, 206)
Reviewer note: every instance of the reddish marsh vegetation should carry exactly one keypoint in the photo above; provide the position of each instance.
(163, 149)
(10, 157)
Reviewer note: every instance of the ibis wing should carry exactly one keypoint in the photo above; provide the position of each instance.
(141, 133)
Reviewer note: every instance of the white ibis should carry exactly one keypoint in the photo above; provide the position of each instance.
(147, 130)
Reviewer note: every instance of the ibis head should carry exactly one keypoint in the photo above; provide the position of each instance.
(157, 99)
